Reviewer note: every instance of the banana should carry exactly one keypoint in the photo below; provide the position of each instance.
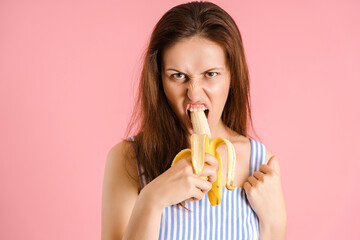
(199, 122)
(201, 144)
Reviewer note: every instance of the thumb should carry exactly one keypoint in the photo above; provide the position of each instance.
(273, 163)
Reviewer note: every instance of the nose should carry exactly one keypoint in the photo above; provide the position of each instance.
(194, 90)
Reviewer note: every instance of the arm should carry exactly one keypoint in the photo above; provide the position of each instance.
(129, 215)
(275, 229)
(265, 195)
(145, 220)
(268, 231)
(125, 213)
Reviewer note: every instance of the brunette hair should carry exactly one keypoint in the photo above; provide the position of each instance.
(160, 135)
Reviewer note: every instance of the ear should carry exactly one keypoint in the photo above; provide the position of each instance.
(273, 163)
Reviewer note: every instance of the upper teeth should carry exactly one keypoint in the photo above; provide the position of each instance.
(197, 107)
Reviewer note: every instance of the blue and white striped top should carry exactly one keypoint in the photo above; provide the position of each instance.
(233, 218)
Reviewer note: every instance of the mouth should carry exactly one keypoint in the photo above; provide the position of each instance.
(195, 108)
(206, 111)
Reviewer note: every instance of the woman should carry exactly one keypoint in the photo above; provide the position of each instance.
(195, 57)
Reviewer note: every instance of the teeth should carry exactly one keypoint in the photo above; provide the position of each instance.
(196, 107)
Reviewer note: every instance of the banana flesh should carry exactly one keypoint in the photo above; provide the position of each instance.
(198, 152)
(199, 122)
(201, 144)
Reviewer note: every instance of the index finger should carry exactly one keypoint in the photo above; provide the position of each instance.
(211, 160)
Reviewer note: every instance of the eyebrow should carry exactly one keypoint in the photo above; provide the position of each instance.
(211, 69)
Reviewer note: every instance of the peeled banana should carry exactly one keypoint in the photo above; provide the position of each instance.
(201, 144)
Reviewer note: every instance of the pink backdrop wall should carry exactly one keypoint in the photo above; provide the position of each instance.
(67, 82)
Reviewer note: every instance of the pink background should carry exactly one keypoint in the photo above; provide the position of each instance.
(68, 71)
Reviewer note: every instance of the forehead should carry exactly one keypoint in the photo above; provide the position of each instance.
(194, 54)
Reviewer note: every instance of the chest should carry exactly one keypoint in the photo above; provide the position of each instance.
(233, 218)
(243, 161)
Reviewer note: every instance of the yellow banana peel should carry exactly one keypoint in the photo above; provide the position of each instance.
(200, 145)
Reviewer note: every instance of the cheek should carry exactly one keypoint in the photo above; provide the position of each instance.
(220, 90)
(169, 92)
(167, 89)
(173, 95)
(225, 88)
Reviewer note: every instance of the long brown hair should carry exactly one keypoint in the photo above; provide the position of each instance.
(159, 134)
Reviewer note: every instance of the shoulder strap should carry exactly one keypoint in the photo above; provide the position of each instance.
(258, 156)
(139, 167)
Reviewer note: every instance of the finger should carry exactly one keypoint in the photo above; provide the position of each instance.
(273, 163)
(247, 187)
(212, 161)
(265, 169)
(209, 171)
(183, 166)
(270, 161)
(197, 194)
(253, 181)
(203, 185)
(184, 161)
(259, 176)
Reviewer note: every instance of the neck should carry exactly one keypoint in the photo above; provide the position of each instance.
(219, 130)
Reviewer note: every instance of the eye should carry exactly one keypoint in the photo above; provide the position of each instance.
(178, 76)
(211, 74)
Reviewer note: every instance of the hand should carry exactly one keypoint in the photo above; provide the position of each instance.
(179, 183)
(265, 196)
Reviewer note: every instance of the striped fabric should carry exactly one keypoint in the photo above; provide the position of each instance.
(233, 218)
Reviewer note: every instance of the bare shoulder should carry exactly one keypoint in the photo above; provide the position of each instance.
(121, 160)
(119, 190)
(121, 148)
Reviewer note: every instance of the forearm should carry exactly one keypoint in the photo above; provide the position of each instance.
(144, 222)
(272, 232)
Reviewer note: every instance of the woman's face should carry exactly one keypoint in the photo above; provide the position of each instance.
(194, 71)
